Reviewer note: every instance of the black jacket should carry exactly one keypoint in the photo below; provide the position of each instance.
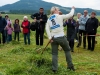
(40, 25)
(91, 25)
(3, 24)
(70, 26)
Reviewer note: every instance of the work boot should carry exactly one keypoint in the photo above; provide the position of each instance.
(71, 68)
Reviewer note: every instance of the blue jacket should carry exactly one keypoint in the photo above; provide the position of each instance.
(3, 24)
(82, 22)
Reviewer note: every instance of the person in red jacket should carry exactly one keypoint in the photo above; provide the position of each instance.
(26, 30)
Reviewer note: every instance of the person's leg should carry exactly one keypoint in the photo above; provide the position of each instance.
(93, 43)
(25, 42)
(28, 37)
(54, 55)
(18, 36)
(8, 38)
(11, 37)
(69, 43)
(80, 38)
(0, 37)
(37, 37)
(64, 44)
(84, 39)
(5, 33)
(15, 35)
(72, 45)
(3, 36)
(89, 42)
(76, 36)
(41, 38)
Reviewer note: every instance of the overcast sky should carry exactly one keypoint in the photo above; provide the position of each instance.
(94, 4)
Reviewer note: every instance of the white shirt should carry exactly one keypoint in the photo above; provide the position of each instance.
(54, 26)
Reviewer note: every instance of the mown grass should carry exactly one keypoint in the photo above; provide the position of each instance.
(19, 59)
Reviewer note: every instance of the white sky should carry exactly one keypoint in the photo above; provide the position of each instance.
(94, 4)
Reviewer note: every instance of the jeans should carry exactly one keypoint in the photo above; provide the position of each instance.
(16, 35)
(9, 38)
(27, 37)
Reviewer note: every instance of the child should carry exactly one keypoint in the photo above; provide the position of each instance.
(16, 29)
(9, 32)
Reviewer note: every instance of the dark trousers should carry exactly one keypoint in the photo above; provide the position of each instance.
(39, 37)
(9, 38)
(16, 35)
(82, 33)
(91, 41)
(62, 41)
(3, 37)
(6, 35)
(27, 36)
(70, 38)
(71, 44)
(76, 33)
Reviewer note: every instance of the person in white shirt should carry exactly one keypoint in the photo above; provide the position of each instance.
(55, 32)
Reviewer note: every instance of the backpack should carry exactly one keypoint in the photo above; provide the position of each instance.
(33, 26)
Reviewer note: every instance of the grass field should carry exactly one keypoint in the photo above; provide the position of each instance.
(19, 59)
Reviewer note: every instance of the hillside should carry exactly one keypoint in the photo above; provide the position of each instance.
(30, 5)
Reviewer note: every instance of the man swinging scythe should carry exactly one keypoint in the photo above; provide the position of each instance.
(54, 28)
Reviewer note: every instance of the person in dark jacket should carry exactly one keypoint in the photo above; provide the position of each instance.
(26, 30)
(3, 24)
(41, 19)
(16, 29)
(71, 24)
(91, 30)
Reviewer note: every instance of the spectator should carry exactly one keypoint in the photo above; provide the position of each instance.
(17, 29)
(41, 19)
(82, 32)
(71, 23)
(9, 32)
(91, 30)
(77, 27)
(26, 30)
(7, 20)
(3, 24)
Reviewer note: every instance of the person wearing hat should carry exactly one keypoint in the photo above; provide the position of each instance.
(26, 30)
(3, 24)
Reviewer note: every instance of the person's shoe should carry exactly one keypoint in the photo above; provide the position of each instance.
(54, 71)
(71, 68)
(92, 49)
(72, 51)
(78, 45)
